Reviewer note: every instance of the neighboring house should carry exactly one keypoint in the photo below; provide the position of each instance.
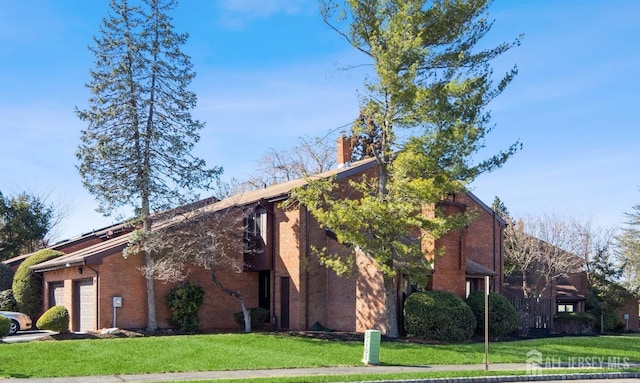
(567, 293)
(284, 278)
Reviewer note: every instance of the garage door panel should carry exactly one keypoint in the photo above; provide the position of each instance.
(86, 305)
(56, 294)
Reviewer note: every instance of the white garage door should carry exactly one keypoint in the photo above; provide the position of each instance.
(86, 305)
(56, 290)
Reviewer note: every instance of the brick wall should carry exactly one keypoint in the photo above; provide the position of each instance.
(480, 241)
(117, 276)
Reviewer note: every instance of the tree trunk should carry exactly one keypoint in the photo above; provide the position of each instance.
(152, 324)
(246, 314)
(236, 294)
(391, 307)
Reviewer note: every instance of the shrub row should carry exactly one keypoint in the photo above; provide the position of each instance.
(443, 316)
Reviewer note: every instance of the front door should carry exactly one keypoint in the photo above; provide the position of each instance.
(264, 295)
(284, 302)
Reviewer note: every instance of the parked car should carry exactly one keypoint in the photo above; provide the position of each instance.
(19, 321)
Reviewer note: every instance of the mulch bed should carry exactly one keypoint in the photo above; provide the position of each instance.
(338, 336)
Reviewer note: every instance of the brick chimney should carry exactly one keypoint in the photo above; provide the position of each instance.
(344, 151)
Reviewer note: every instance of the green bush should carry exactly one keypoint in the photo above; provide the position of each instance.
(259, 316)
(27, 286)
(184, 301)
(5, 326)
(503, 317)
(7, 301)
(6, 277)
(438, 315)
(574, 323)
(54, 319)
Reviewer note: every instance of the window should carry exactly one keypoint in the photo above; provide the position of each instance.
(566, 308)
(471, 286)
(255, 230)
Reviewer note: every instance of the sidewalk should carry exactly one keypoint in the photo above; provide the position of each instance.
(597, 375)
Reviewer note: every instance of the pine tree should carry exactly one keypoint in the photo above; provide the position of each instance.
(500, 208)
(136, 150)
(431, 86)
(629, 249)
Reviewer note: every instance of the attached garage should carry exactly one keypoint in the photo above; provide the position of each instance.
(85, 305)
(56, 294)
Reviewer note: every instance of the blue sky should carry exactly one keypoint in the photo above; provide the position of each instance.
(268, 73)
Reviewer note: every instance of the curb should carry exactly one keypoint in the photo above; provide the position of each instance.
(520, 378)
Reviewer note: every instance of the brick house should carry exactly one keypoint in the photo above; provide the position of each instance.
(284, 278)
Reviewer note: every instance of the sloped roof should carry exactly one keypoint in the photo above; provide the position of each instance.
(567, 292)
(476, 269)
(105, 232)
(92, 254)
(85, 256)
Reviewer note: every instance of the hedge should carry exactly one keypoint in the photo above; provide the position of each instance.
(54, 319)
(438, 315)
(5, 326)
(503, 317)
(259, 316)
(6, 277)
(27, 286)
(574, 323)
(7, 301)
(184, 301)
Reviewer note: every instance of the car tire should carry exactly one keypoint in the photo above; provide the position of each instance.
(14, 328)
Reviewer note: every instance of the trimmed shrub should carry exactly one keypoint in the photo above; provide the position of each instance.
(7, 302)
(574, 323)
(5, 326)
(54, 319)
(184, 301)
(503, 317)
(438, 315)
(6, 277)
(27, 286)
(259, 316)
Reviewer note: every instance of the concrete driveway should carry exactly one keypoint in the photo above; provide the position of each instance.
(26, 336)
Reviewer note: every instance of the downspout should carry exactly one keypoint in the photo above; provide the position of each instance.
(494, 248)
(306, 273)
(272, 245)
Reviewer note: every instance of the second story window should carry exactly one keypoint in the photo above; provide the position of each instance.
(255, 230)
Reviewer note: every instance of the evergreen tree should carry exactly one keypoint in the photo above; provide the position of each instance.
(431, 84)
(136, 150)
(605, 296)
(629, 249)
(500, 208)
(25, 221)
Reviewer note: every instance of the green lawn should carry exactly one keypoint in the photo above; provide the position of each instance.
(266, 351)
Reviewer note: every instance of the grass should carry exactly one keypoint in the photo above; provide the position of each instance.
(269, 351)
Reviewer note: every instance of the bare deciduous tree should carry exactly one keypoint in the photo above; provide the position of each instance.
(213, 240)
(311, 156)
(542, 249)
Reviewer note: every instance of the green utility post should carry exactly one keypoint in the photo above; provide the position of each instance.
(371, 347)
